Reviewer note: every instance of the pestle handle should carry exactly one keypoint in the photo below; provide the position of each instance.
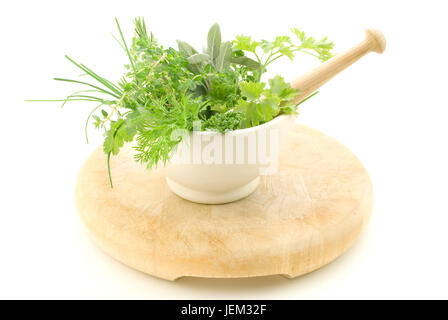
(313, 80)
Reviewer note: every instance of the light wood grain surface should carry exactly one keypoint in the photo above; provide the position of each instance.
(298, 220)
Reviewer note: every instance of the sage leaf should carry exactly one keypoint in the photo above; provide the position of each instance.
(185, 48)
(245, 61)
(224, 57)
(214, 42)
(199, 58)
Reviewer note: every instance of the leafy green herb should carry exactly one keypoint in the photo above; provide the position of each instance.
(224, 91)
(166, 90)
(224, 122)
(266, 52)
(218, 56)
(260, 105)
(162, 127)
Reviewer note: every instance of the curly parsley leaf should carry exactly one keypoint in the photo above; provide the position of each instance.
(223, 122)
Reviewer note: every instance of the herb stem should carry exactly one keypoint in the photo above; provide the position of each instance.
(101, 80)
(87, 121)
(90, 85)
(126, 47)
(108, 170)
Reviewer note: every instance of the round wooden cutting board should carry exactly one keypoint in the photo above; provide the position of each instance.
(297, 220)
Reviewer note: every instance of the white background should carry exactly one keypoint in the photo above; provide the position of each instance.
(390, 109)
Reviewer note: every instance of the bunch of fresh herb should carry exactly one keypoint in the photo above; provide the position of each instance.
(166, 89)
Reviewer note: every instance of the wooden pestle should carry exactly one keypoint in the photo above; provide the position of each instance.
(313, 80)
